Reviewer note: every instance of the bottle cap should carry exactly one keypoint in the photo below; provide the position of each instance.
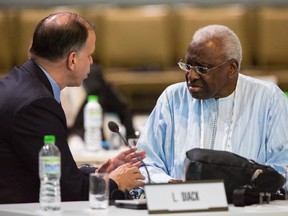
(49, 139)
(92, 98)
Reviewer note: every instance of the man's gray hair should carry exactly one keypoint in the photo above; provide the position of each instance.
(229, 41)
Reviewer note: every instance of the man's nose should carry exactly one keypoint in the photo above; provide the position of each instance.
(192, 74)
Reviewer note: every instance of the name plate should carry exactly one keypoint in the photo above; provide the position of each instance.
(190, 196)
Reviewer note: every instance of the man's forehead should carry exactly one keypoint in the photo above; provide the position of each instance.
(205, 46)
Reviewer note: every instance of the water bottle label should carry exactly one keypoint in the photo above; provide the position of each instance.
(94, 119)
(50, 165)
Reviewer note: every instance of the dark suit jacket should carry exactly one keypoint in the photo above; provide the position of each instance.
(28, 111)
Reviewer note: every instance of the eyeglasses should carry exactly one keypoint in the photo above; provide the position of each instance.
(199, 69)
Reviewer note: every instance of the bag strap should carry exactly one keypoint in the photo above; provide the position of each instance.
(246, 195)
(239, 197)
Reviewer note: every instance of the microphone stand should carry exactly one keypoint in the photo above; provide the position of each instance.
(139, 159)
(115, 129)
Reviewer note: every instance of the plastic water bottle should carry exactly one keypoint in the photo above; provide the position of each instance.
(50, 173)
(93, 123)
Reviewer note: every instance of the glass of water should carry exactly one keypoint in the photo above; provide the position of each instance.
(98, 190)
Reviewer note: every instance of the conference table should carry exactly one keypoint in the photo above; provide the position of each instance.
(83, 156)
(275, 208)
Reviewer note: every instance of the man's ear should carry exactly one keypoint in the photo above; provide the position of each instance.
(71, 60)
(233, 68)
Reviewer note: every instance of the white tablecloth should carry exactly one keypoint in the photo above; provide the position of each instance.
(275, 208)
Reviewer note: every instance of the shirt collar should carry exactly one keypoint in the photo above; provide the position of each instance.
(55, 87)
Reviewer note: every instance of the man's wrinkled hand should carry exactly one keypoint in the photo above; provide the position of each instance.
(127, 177)
(127, 156)
(104, 167)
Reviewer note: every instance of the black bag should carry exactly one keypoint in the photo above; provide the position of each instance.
(246, 176)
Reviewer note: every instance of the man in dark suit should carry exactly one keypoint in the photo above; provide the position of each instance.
(30, 108)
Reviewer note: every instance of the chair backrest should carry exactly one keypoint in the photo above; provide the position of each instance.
(190, 19)
(94, 14)
(6, 41)
(137, 37)
(272, 35)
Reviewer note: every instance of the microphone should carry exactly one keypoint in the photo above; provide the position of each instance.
(115, 129)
